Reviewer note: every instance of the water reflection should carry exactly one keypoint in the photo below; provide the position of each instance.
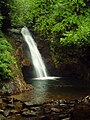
(62, 88)
(41, 89)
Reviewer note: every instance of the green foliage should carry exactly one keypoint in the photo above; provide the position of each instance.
(67, 21)
(63, 22)
(8, 63)
(6, 60)
(20, 12)
(5, 56)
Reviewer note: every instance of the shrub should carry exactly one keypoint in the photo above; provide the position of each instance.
(21, 12)
(6, 60)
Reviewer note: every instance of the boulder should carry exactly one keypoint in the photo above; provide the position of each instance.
(28, 113)
(55, 110)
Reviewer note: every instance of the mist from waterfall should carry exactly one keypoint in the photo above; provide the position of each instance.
(37, 61)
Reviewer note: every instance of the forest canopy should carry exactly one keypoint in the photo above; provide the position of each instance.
(65, 21)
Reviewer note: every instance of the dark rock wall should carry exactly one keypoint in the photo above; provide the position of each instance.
(75, 61)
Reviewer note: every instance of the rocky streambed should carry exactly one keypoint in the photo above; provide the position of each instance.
(75, 109)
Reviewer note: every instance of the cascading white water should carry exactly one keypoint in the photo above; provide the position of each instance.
(38, 63)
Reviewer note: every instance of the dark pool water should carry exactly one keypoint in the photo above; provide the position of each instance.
(63, 88)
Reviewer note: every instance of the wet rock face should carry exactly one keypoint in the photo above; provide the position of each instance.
(74, 61)
(16, 85)
(19, 51)
(14, 109)
(25, 62)
(22, 53)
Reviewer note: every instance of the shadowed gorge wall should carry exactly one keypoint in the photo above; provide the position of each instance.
(4, 8)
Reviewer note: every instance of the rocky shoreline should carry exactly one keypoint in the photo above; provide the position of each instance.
(14, 109)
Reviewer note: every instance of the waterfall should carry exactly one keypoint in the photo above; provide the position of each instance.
(37, 61)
